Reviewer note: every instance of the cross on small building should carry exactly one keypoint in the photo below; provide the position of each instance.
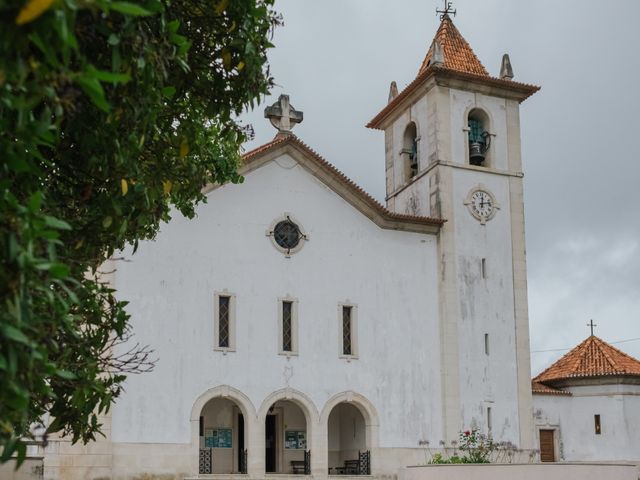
(591, 324)
(282, 115)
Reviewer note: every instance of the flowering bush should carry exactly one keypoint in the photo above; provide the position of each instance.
(476, 446)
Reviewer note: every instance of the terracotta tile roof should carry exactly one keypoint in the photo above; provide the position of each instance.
(458, 54)
(252, 153)
(459, 63)
(592, 358)
(377, 211)
(541, 389)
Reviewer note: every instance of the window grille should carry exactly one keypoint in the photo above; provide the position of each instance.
(346, 330)
(223, 322)
(287, 326)
(287, 234)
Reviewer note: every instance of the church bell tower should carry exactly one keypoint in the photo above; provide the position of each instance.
(452, 148)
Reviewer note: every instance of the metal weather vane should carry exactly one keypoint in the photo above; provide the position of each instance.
(448, 8)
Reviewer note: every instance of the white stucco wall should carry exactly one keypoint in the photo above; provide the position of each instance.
(547, 471)
(471, 305)
(391, 276)
(573, 418)
(486, 307)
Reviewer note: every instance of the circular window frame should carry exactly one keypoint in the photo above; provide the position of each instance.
(304, 236)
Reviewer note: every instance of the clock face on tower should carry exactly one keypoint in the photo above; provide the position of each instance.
(481, 204)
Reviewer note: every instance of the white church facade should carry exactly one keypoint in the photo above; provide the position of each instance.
(304, 328)
(326, 333)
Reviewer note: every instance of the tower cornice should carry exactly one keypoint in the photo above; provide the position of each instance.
(436, 75)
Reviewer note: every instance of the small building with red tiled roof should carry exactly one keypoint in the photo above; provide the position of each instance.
(587, 405)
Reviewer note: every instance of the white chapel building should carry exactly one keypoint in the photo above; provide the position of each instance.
(304, 328)
(586, 406)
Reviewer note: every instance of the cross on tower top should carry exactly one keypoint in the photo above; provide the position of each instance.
(282, 115)
(448, 8)
(591, 324)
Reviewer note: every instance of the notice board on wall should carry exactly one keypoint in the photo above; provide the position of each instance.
(295, 439)
(218, 438)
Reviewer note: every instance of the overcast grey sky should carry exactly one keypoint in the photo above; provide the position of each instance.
(580, 133)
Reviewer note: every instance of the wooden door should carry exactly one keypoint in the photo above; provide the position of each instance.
(547, 448)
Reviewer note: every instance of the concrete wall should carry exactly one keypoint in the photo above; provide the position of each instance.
(573, 419)
(64, 460)
(487, 380)
(521, 472)
(486, 305)
(31, 469)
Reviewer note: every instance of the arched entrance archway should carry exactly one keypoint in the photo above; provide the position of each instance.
(352, 434)
(286, 439)
(289, 417)
(220, 420)
(223, 435)
(346, 439)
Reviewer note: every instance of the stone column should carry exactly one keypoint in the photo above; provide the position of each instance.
(319, 450)
(255, 447)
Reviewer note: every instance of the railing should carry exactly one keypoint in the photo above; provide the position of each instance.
(243, 461)
(364, 463)
(205, 461)
(307, 462)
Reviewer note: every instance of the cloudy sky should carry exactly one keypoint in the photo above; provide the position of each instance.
(580, 133)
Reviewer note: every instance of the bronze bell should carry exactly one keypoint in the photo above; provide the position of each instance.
(478, 149)
(476, 153)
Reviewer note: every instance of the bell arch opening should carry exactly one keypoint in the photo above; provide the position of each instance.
(409, 152)
(479, 138)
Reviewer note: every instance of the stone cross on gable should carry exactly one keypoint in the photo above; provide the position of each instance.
(282, 115)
